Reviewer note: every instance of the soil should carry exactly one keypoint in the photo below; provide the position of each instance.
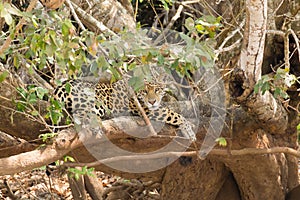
(36, 184)
(51, 184)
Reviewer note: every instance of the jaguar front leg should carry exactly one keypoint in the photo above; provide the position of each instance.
(170, 117)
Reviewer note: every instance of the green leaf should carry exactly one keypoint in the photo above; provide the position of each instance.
(55, 116)
(34, 113)
(68, 87)
(90, 171)
(16, 61)
(161, 59)
(47, 136)
(189, 24)
(94, 67)
(43, 167)
(41, 92)
(279, 92)
(77, 176)
(3, 75)
(34, 21)
(256, 87)
(190, 41)
(68, 120)
(66, 28)
(69, 159)
(32, 98)
(200, 28)
(103, 63)
(136, 83)
(20, 106)
(221, 141)
(115, 74)
(22, 92)
(58, 82)
(265, 87)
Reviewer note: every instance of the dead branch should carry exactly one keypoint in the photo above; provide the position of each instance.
(91, 20)
(65, 142)
(105, 16)
(69, 3)
(170, 25)
(17, 149)
(9, 191)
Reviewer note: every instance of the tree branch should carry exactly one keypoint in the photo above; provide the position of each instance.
(270, 113)
(214, 152)
(106, 16)
(253, 45)
(65, 142)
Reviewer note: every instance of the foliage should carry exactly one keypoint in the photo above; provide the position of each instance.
(29, 97)
(50, 40)
(7, 11)
(77, 172)
(205, 25)
(46, 136)
(278, 84)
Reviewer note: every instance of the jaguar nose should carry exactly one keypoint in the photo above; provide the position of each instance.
(152, 102)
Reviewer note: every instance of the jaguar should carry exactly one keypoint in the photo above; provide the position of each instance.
(108, 100)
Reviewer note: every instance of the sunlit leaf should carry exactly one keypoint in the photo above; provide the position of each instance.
(221, 141)
(69, 159)
(7, 17)
(3, 76)
(12, 10)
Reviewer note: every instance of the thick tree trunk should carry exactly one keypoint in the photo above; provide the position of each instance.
(253, 176)
(199, 180)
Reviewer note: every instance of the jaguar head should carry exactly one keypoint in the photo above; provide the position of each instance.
(152, 95)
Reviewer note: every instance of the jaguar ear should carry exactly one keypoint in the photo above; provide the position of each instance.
(146, 87)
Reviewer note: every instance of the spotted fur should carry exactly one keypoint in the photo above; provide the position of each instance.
(110, 100)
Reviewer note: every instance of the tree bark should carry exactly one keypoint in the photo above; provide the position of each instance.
(199, 180)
